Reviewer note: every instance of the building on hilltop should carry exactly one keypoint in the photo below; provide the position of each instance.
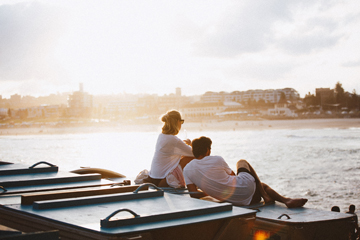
(122, 107)
(43, 111)
(15, 100)
(213, 97)
(171, 101)
(80, 103)
(168, 102)
(290, 93)
(126, 106)
(325, 96)
(3, 113)
(268, 95)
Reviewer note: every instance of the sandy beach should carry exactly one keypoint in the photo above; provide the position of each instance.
(208, 125)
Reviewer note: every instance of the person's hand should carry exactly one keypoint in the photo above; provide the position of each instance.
(187, 141)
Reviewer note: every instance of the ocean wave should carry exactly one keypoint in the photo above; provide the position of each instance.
(351, 169)
(311, 193)
(327, 137)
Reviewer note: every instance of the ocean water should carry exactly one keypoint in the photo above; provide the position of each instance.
(322, 165)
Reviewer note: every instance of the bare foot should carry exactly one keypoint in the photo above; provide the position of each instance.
(295, 202)
(268, 199)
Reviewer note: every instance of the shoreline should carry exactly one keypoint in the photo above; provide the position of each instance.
(208, 125)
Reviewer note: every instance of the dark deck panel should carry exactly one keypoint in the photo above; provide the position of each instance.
(279, 213)
(5, 163)
(16, 168)
(55, 187)
(79, 201)
(29, 198)
(301, 223)
(165, 216)
(61, 191)
(44, 178)
(48, 235)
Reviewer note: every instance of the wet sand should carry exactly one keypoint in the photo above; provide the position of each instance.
(208, 125)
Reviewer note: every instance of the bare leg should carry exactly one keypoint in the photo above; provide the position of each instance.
(289, 202)
(184, 161)
(244, 164)
(163, 183)
(269, 194)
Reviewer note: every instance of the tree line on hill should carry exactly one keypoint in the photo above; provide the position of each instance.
(340, 98)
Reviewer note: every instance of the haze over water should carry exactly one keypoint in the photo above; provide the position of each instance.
(319, 164)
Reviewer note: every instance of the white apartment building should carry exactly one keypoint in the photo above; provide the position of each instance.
(290, 93)
(268, 95)
(47, 111)
(80, 100)
(201, 110)
(282, 109)
(3, 112)
(167, 102)
(80, 103)
(50, 111)
(34, 112)
(212, 97)
(122, 106)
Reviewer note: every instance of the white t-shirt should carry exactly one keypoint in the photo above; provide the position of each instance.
(168, 151)
(212, 175)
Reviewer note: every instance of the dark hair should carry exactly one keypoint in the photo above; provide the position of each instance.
(352, 207)
(335, 209)
(200, 146)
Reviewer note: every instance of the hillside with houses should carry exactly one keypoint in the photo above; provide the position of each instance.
(82, 107)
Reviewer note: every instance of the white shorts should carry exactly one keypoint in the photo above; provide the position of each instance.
(245, 190)
(175, 178)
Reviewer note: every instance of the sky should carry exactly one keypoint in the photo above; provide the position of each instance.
(155, 46)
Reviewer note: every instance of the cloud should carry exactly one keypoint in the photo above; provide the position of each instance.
(304, 44)
(352, 64)
(29, 33)
(245, 28)
(265, 70)
(316, 34)
(258, 25)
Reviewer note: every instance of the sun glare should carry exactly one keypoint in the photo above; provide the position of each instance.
(261, 235)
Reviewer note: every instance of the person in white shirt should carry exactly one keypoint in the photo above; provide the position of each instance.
(171, 154)
(215, 178)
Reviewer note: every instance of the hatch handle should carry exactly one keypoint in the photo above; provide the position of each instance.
(4, 189)
(122, 210)
(147, 184)
(51, 165)
(282, 215)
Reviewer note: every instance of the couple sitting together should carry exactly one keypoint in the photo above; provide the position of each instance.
(178, 163)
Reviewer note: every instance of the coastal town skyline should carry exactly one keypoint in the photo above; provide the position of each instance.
(81, 88)
(50, 46)
(287, 102)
